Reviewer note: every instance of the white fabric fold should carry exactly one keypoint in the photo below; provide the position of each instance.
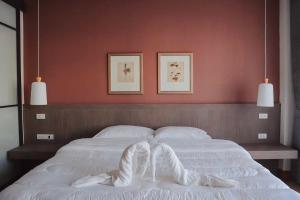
(137, 158)
(134, 162)
(86, 181)
(181, 175)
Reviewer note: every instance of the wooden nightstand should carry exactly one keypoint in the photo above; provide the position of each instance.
(269, 156)
(38, 152)
(29, 156)
(270, 152)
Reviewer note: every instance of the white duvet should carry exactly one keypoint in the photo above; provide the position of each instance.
(52, 180)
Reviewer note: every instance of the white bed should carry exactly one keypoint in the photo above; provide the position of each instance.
(52, 179)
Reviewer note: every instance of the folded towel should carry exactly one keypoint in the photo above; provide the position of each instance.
(104, 178)
(181, 175)
(134, 162)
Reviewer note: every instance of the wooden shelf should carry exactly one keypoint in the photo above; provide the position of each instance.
(33, 152)
(269, 152)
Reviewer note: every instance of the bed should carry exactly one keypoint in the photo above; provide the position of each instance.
(52, 179)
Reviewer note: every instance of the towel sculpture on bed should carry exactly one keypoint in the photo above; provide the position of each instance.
(134, 162)
(183, 176)
(137, 158)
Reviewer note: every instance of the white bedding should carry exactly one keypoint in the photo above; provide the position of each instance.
(52, 179)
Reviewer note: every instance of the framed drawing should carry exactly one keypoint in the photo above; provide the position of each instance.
(125, 73)
(175, 73)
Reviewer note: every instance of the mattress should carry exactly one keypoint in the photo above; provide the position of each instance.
(52, 179)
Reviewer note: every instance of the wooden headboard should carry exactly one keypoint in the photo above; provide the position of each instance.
(237, 122)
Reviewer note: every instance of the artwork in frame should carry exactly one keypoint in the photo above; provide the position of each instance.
(125, 73)
(175, 73)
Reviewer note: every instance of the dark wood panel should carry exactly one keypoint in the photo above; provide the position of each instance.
(33, 152)
(271, 152)
(237, 122)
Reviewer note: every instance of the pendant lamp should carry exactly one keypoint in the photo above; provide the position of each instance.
(38, 88)
(265, 97)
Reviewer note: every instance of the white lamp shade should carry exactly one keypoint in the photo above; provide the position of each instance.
(265, 96)
(38, 93)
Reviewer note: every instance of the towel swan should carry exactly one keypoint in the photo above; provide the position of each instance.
(181, 175)
(140, 152)
(128, 167)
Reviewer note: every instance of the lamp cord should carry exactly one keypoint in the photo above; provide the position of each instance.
(265, 39)
(38, 37)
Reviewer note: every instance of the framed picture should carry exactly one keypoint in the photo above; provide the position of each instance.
(125, 73)
(175, 73)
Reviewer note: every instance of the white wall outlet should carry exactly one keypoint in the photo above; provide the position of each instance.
(262, 136)
(40, 116)
(45, 136)
(263, 116)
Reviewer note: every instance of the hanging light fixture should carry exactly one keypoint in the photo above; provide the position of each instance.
(38, 88)
(265, 97)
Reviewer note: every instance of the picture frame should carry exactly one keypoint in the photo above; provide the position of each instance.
(175, 73)
(125, 73)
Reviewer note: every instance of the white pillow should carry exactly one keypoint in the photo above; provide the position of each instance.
(180, 132)
(125, 131)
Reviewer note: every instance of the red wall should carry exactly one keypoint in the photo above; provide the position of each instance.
(226, 37)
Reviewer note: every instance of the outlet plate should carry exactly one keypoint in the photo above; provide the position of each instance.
(40, 116)
(45, 136)
(263, 116)
(262, 136)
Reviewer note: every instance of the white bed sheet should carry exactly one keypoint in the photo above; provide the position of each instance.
(51, 180)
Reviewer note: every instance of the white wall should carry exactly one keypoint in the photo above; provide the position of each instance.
(286, 86)
(9, 124)
(9, 135)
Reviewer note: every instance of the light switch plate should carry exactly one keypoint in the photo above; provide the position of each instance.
(262, 136)
(45, 136)
(263, 115)
(40, 116)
